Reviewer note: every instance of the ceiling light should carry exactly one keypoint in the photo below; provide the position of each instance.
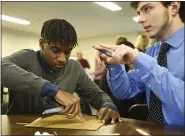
(109, 5)
(15, 20)
(135, 18)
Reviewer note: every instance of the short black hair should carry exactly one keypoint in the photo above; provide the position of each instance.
(59, 31)
(123, 40)
(129, 44)
(134, 4)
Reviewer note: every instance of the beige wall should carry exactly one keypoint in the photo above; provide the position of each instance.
(89, 53)
(13, 40)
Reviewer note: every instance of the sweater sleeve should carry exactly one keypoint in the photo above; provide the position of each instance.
(87, 89)
(15, 74)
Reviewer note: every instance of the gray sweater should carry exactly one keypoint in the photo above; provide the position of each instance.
(23, 75)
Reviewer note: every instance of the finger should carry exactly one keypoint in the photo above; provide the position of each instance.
(119, 56)
(79, 112)
(108, 115)
(98, 114)
(108, 60)
(73, 101)
(125, 56)
(97, 58)
(105, 51)
(67, 109)
(110, 50)
(99, 47)
(103, 113)
(113, 121)
(100, 70)
(111, 60)
(99, 62)
(81, 116)
(120, 120)
(110, 47)
(118, 117)
(75, 112)
(76, 109)
(71, 110)
(104, 57)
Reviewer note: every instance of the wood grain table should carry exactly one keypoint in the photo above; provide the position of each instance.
(127, 127)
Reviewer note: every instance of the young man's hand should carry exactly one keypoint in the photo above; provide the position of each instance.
(71, 103)
(106, 114)
(120, 54)
(100, 68)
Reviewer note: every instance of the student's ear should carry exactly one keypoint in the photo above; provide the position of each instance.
(175, 7)
(41, 43)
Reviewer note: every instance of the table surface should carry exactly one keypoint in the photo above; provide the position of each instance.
(127, 127)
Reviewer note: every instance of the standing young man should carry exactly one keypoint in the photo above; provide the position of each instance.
(38, 80)
(160, 71)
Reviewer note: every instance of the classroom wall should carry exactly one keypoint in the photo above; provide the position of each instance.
(89, 53)
(13, 40)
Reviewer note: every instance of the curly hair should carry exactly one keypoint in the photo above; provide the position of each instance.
(59, 31)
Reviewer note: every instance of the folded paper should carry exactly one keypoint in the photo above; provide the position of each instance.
(61, 121)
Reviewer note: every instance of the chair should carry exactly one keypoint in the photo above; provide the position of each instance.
(123, 106)
(4, 105)
(138, 111)
(4, 108)
(1, 95)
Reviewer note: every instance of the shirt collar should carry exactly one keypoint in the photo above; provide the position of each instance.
(176, 39)
(44, 64)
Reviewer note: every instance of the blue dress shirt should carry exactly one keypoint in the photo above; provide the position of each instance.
(49, 90)
(167, 83)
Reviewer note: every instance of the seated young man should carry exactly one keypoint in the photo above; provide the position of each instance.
(48, 78)
(154, 71)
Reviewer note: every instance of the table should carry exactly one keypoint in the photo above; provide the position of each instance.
(127, 127)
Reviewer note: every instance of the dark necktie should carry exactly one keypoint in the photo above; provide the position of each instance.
(155, 114)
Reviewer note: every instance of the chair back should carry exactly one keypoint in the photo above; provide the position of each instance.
(138, 111)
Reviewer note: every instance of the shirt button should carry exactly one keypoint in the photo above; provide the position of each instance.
(111, 69)
(137, 70)
(149, 86)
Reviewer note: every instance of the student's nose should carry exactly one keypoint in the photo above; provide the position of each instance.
(61, 57)
(141, 19)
